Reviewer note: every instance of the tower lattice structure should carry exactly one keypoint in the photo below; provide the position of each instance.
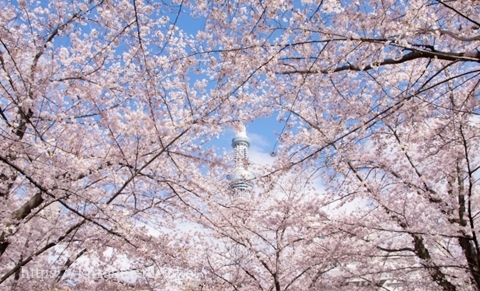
(241, 179)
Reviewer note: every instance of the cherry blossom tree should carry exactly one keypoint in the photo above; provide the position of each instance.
(257, 240)
(101, 124)
(381, 97)
(105, 106)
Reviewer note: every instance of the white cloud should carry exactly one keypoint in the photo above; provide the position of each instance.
(259, 157)
(257, 140)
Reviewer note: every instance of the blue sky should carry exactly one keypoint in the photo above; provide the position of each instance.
(262, 139)
(262, 132)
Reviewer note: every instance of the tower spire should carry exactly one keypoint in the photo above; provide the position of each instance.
(241, 178)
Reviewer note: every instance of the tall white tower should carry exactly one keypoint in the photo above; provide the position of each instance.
(241, 179)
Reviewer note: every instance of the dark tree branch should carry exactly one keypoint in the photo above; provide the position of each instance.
(40, 251)
(459, 13)
(435, 272)
(413, 55)
(68, 263)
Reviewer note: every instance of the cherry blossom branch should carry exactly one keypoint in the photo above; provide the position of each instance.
(40, 251)
(472, 253)
(4, 243)
(251, 276)
(413, 55)
(137, 171)
(458, 12)
(68, 263)
(455, 36)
